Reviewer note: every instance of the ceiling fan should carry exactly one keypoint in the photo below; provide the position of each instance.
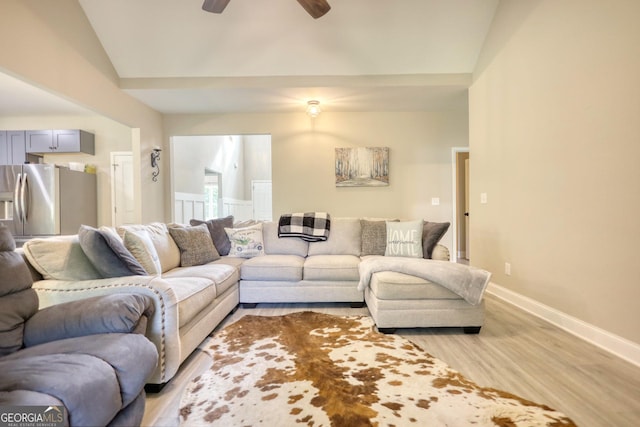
(315, 8)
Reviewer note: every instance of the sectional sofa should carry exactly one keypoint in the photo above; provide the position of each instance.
(399, 296)
(189, 301)
(198, 274)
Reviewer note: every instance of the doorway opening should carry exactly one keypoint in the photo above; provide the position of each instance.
(218, 173)
(460, 226)
(212, 194)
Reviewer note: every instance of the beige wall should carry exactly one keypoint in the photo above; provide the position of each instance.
(50, 44)
(303, 159)
(555, 143)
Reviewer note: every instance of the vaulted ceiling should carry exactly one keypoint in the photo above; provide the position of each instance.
(271, 56)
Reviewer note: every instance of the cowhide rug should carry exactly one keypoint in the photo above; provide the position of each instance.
(312, 369)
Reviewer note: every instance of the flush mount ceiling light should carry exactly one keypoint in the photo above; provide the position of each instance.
(313, 108)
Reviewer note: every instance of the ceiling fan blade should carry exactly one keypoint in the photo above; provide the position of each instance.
(315, 8)
(215, 6)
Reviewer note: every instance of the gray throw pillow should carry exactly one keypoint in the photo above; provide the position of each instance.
(216, 229)
(196, 246)
(108, 254)
(431, 235)
(374, 237)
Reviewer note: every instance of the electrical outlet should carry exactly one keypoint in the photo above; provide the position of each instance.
(435, 201)
(483, 198)
(507, 269)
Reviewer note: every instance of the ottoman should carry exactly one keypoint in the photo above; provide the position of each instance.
(398, 300)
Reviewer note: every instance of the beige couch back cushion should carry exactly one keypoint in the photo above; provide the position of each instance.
(166, 247)
(344, 239)
(274, 245)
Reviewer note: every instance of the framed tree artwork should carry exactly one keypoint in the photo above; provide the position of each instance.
(362, 167)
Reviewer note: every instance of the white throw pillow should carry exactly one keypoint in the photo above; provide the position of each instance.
(404, 239)
(141, 247)
(166, 247)
(246, 242)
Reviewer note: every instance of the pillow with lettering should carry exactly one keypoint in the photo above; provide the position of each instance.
(404, 239)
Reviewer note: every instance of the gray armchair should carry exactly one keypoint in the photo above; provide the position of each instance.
(89, 356)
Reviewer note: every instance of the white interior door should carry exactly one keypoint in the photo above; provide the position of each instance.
(122, 188)
(261, 197)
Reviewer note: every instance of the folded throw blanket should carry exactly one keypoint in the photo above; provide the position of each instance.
(309, 226)
(465, 281)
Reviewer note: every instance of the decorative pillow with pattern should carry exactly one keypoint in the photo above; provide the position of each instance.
(196, 246)
(218, 235)
(404, 239)
(374, 236)
(246, 242)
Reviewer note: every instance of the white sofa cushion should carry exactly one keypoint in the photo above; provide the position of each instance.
(224, 276)
(344, 239)
(60, 258)
(391, 285)
(194, 294)
(331, 267)
(274, 245)
(230, 260)
(273, 267)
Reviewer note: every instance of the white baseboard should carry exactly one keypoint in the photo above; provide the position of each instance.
(621, 347)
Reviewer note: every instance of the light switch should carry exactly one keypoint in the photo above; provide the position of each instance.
(435, 201)
(483, 198)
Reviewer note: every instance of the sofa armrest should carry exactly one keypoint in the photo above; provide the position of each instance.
(117, 313)
(441, 253)
(162, 327)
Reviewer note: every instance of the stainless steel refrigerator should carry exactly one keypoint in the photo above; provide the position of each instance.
(46, 200)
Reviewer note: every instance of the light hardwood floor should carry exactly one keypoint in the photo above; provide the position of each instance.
(515, 352)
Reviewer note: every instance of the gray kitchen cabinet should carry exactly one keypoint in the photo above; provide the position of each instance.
(39, 141)
(60, 141)
(12, 147)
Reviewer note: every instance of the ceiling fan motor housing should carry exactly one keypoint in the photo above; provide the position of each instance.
(315, 8)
